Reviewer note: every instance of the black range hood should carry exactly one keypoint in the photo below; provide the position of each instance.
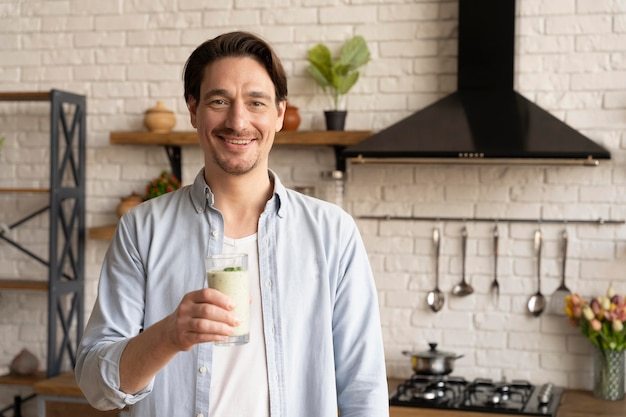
(485, 120)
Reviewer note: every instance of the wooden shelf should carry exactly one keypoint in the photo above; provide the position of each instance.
(306, 138)
(24, 190)
(29, 380)
(23, 284)
(336, 138)
(102, 232)
(25, 96)
(63, 384)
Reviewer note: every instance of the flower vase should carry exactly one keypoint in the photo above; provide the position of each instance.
(608, 374)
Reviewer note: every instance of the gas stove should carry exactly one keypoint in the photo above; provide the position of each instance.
(480, 395)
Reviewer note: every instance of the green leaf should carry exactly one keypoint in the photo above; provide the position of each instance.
(355, 53)
(319, 57)
(347, 82)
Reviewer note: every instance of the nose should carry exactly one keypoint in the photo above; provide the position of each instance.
(236, 118)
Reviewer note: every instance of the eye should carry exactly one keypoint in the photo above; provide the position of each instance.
(217, 103)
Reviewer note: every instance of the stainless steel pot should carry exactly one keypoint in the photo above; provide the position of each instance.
(433, 361)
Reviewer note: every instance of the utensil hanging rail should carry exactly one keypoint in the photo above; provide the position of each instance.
(599, 221)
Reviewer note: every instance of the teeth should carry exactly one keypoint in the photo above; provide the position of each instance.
(238, 142)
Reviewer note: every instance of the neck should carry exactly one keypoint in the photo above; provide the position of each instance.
(241, 200)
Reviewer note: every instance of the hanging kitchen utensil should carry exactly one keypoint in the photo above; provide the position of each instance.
(557, 300)
(463, 288)
(537, 302)
(436, 298)
(495, 285)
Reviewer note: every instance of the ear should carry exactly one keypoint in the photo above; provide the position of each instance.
(282, 106)
(192, 106)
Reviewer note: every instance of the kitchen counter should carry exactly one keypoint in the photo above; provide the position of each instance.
(583, 404)
(574, 403)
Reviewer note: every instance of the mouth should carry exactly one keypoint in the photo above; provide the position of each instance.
(237, 141)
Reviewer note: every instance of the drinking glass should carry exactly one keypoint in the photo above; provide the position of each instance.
(228, 273)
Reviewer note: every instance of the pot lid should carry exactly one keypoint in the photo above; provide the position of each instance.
(433, 353)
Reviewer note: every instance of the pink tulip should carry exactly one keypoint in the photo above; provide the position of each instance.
(577, 311)
(596, 325)
(595, 306)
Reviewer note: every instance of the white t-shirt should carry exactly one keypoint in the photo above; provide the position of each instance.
(239, 384)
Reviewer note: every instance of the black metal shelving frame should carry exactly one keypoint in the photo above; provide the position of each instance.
(67, 233)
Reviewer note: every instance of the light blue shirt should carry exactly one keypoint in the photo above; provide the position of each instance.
(321, 319)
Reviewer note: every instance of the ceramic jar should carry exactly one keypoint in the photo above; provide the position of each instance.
(128, 203)
(292, 118)
(159, 119)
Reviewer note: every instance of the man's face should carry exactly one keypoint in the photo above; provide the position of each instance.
(236, 116)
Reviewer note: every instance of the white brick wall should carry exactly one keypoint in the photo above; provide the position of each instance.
(571, 60)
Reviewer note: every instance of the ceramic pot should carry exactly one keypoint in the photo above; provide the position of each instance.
(292, 118)
(159, 119)
(128, 203)
(25, 363)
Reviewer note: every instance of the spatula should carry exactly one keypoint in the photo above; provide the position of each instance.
(557, 300)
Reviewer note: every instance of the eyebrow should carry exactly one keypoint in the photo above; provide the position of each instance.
(223, 92)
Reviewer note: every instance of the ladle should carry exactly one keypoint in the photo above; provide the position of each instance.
(463, 288)
(537, 302)
(436, 298)
(557, 301)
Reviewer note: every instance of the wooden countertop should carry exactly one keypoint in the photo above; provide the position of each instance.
(574, 403)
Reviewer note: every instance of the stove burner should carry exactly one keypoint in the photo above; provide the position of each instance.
(502, 395)
(481, 395)
(439, 391)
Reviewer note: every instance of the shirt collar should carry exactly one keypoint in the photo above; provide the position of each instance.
(202, 197)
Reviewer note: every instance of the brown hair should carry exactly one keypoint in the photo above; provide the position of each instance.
(237, 44)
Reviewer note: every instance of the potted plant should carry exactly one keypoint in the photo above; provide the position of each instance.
(337, 76)
(162, 184)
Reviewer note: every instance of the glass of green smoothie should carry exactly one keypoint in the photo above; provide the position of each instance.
(228, 273)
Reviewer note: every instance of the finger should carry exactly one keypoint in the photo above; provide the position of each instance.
(211, 296)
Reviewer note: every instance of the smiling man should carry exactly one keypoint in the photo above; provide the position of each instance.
(315, 338)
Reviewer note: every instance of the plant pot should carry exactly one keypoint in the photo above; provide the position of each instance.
(292, 118)
(335, 119)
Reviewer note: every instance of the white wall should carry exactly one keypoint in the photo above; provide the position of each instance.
(125, 55)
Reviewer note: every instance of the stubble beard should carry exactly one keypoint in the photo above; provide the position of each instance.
(235, 168)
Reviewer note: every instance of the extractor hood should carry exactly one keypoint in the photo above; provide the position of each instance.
(485, 120)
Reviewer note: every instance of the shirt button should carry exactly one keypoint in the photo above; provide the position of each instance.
(268, 284)
(215, 233)
(202, 369)
(199, 415)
